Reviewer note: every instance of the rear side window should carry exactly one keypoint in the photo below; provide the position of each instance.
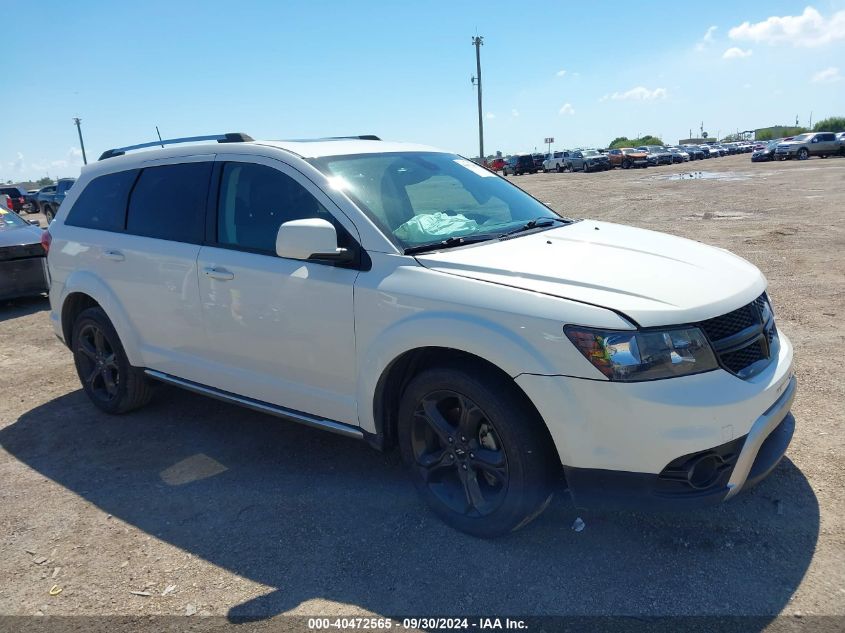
(102, 204)
(168, 202)
(255, 200)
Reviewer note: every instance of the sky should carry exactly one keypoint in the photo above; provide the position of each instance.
(283, 69)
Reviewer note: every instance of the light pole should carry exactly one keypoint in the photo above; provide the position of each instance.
(78, 123)
(478, 42)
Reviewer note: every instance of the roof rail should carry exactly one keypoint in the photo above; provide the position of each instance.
(231, 137)
(359, 137)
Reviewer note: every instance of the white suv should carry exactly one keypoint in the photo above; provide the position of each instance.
(406, 296)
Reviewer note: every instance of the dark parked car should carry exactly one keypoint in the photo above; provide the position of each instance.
(657, 155)
(49, 201)
(17, 196)
(766, 153)
(23, 260)
(538, 161)
(694, 151)
(521, 164)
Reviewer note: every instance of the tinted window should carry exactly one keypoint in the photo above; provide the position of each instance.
(168, 202)
(102, 204)
(255, 200)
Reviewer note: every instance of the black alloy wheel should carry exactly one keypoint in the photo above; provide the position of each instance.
(97, 363)
(459, 454)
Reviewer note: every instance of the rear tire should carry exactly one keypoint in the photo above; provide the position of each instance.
(477, 452)
(48, 213)
(559, 169)
(107, 378)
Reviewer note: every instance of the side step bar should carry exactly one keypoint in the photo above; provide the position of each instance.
(340, 428)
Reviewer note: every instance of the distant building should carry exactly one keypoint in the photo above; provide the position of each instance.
(777, 131)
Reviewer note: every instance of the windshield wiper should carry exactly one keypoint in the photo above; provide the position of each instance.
(449, 242)
(536, 223)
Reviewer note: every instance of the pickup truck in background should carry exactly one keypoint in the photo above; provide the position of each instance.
(803, 146)
(556, 161)
(49, 199)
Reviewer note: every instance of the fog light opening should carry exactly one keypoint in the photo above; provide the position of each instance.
(704, 472)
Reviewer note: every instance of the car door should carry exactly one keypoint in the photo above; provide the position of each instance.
(279, 331)
(828, 143)
(577, 161)
(151, 265)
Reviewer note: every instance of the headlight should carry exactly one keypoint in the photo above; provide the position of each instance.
(632, 356)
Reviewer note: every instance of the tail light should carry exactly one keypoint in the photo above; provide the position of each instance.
(46, 240)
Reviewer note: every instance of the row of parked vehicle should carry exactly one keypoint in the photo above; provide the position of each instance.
(588, 160)
(801, 147)
(46, 200)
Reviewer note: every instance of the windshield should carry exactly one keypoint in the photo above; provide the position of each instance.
(423, 197)
(802, 137)
(590, 152)
(10, 220)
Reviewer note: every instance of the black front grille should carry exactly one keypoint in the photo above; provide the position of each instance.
(722, 327)
(742, 338)
(745, 357)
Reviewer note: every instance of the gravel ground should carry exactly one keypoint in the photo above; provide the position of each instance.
(203, 508)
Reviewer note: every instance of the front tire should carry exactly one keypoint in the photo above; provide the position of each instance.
(477, 452)
(107, 378)
(49, 213)
(803, 154)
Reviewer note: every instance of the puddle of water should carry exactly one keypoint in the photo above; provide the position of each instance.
(704, 175)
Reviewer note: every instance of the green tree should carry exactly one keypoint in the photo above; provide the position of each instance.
(44, 182)
(619, 141)
(624, 141)
(831, 124)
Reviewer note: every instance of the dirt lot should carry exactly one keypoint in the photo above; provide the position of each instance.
(208, 508)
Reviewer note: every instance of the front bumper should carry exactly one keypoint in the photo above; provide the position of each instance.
(626, 445)
(23, 277)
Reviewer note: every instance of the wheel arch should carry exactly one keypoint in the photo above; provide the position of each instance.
(83, 290)
(402, 369)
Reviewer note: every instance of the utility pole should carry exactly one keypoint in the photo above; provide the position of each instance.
(478, 42)
(78, 123)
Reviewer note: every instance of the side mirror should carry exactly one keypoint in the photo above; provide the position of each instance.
(312, 239)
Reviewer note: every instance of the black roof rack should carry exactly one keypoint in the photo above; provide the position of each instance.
(230, 137)
(359, 137)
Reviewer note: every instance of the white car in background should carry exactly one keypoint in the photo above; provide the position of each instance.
(405, 296)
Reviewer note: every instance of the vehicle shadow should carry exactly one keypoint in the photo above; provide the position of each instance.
(14, 308)
(318, 516)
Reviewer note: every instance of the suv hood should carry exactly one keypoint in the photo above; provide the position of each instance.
(653, 278)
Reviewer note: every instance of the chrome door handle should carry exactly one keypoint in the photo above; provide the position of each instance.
(220, 274)
(115, 256)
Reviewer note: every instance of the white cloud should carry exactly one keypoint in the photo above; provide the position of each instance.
(566, 109)
(640, 93)
(734, 52)
(560, 73)
(68, 165)
(707, 39)
(514, 112)
(826, 76)
(490, 116)
(810, 28)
